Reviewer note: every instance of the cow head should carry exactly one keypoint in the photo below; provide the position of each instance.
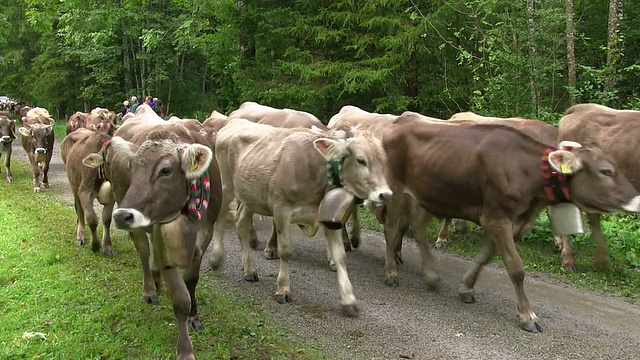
(105, 127)
(595, 183)
(161, 170)
(363, 160)
(40, 138)
(7, 130)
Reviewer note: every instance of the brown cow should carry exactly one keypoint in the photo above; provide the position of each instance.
(615, 132)
(76, 121)
(491, 175)
(86, 185)
(286, 118)
(216, 121)
(101, 123)
(7, 135)
(37, 139)
(154, 194)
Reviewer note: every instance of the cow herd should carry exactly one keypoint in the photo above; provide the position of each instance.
(171, 184)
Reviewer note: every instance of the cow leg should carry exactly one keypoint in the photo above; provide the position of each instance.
(502, 234)
(347, 298)
(244, 223)
(487, 249)
(602, 252)
(181, 301)
(149, 284)
(191, 276)
(403, 227)
(217, 252)
(282, 222)
(566, 254)
(460, 225)
(80, 229)
(419, 221)
(355, 228)
(36, 177)
(45, 172)
(271, 251)
(107, 211)
(346, 242)
(443, 234)
(86, 202)
(7, 163)
(391, 228)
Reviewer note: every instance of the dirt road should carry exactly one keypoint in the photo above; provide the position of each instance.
(412, 321)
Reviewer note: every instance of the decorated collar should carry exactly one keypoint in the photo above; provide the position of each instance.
(556, 184)
(200, 194)
(334, 173)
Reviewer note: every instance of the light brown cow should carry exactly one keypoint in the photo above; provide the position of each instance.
(491, 175)
(152, 178)
(7, 135)
(37, 139)
(86, 186)
(216, 121)
(256, 165)
(76, 121)
(101, 123)
(286, 118)
(110, 115)
(616, 133)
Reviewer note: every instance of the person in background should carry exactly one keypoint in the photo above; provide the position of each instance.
(159, 108)
(134, 104)
(124, 109)
(149, 101)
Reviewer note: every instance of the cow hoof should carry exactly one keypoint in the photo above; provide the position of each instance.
(441, 245)
(532, 327)
(9, 178)
(355, 241)
(350, 310)
(399, 259)
(601, 265)
(150, 299)
(570, 268)
(283, 298)
(332, 266)
(468, 297)
(194, 323)
(347, 246)
(36, 189)
(432, 281)
(271, 254)
(392, 281)
(216, 261)
(80, 242)
(253, 277)
(107, 251)
(95, 247)
(186, 357)
(45, 185)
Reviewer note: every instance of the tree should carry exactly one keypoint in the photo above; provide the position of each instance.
(571, 54)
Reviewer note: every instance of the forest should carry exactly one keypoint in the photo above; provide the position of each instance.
(525, 58)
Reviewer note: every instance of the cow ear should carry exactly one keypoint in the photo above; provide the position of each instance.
(329, 148)
(93, 160)
(48, 129)
(24, 131)
(564, 162)
(92, 127)
(13, 129)
(196, 159)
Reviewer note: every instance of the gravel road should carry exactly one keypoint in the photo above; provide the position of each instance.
(412, 321)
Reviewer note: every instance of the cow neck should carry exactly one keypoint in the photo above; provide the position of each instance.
(200, 195)
(556, 185)
(334, 173)
(101, 174)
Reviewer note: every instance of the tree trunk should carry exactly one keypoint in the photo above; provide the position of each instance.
(533, 77)
(571, 51)
(246, 40)
(612, 46)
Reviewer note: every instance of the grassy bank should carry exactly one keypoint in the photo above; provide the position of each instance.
(58, 301)
(538, 252)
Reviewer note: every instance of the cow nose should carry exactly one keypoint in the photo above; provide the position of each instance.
(6, 138)
(385, 195)
(41, 151)
(130, 218)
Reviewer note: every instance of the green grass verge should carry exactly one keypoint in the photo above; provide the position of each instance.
(538, 252)
(88, 306)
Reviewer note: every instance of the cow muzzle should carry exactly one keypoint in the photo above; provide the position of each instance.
(633, 205)
(130, 219)
(40, 151)
(380, 195)
(5, 138)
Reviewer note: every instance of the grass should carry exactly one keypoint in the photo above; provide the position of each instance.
(87, 306)
(538, 252)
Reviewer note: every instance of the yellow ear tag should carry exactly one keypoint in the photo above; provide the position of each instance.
(194, 167)
(95, 163)
(565, 169)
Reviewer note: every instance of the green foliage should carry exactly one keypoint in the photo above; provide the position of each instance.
(89, 306)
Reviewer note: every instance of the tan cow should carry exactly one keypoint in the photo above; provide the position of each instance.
(76, 121)
(37, 139)
(216, 121)
(87, 185)
(616, 133)
(286, 118)
(283, 173)
(152, 177)
(7, 135)
(37, 112)
(489, 174)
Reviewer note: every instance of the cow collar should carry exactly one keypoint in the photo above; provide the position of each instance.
(556, 185)
(200, 195)
(334, 173)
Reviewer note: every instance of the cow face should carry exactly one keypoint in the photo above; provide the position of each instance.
(160, 173)
(7, 130)
(40, 138)
(104, 127)
(363, 160)
(596, 185)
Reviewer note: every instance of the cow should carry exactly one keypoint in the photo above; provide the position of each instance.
(88, 184)
(257, 163)
(100, 122)
(216, 121)
(76, 121)
(37, 112)
(614, 131)
(111, 116)
(7, 135)
(166, 182)
(286, 118)
(37, 139)
(191, 124)
(490, 174)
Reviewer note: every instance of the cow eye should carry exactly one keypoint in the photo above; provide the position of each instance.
(361, 161)
(165, 171)
(606, 172)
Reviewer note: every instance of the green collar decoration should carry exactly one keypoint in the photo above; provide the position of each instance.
(334, 173)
